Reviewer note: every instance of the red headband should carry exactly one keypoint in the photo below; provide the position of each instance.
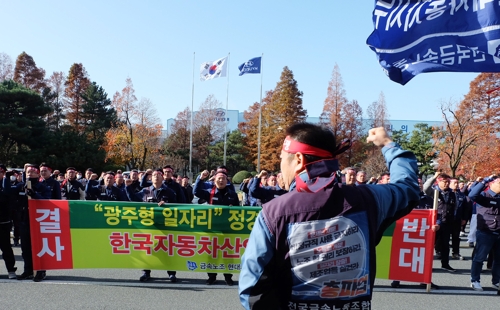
(292, 146)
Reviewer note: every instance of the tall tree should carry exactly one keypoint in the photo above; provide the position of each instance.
(28, 74)
(56, 85)
(76, 84)
(484, 98)
(334, 103)
(460, 132)
(351, 128)
(6, 68)
(378, 113)
(250, 128)
(284, 109)
(135, 141)
(177, 144)
(96, 112)
(208, 129)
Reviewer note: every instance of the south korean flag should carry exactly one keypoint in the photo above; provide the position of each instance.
(213, 69)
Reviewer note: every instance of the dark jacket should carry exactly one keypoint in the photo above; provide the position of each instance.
(173, 185)
(214, 196)
(72, 190)
(5, 203)
(40, 191)
(54, 186)
(152, 194)
(188, 193)
(100, 192)
(264, 193)
(487, 206)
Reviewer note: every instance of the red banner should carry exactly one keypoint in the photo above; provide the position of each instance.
(50, 234)
(412, 247)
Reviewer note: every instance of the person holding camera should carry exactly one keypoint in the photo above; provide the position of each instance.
(157, 193)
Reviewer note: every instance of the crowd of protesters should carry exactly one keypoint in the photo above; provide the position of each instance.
(459, 202)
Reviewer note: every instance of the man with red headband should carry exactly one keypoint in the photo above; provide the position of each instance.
(314, 247)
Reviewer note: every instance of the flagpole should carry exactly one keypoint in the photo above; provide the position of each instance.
(260, 115)
(227, 101)
(191, 130)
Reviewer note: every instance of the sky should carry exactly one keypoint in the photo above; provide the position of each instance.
(161, 44)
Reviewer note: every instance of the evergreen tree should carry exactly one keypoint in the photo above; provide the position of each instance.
(97, 113)
(235, 153)
(22, 127)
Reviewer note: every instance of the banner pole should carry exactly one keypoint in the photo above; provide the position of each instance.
(191, 127)
(227, 104)
(434, 207)
(260, 115)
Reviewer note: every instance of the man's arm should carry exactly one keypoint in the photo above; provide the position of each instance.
(199, 190)
(475, 195)
(256, 286)
(427, 187)
(144, 181)
(397, 198)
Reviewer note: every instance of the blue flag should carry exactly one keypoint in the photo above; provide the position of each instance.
(415, 36)
(251, 66)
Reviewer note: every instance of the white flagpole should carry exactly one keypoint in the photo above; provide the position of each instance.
(227, 101)
(191, 130)
(260, 115)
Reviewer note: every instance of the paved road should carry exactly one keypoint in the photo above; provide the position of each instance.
(120, 289)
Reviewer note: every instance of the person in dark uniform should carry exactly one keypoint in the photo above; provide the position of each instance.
(106, 192)
(168, 180)
(71, 188)
(6, 222)
(55, 190)
(264, 193)
(135, 186)
(50, 182)
(488, 230)
(188, 189)
(120, 182)
(33, 189)
(13, 201)
(447, 204)
(222, 195)
(156, 193)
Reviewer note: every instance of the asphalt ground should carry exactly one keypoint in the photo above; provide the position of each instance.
(121, 289)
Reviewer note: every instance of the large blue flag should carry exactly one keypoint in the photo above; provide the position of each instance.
(251, 66)
(416, 36)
